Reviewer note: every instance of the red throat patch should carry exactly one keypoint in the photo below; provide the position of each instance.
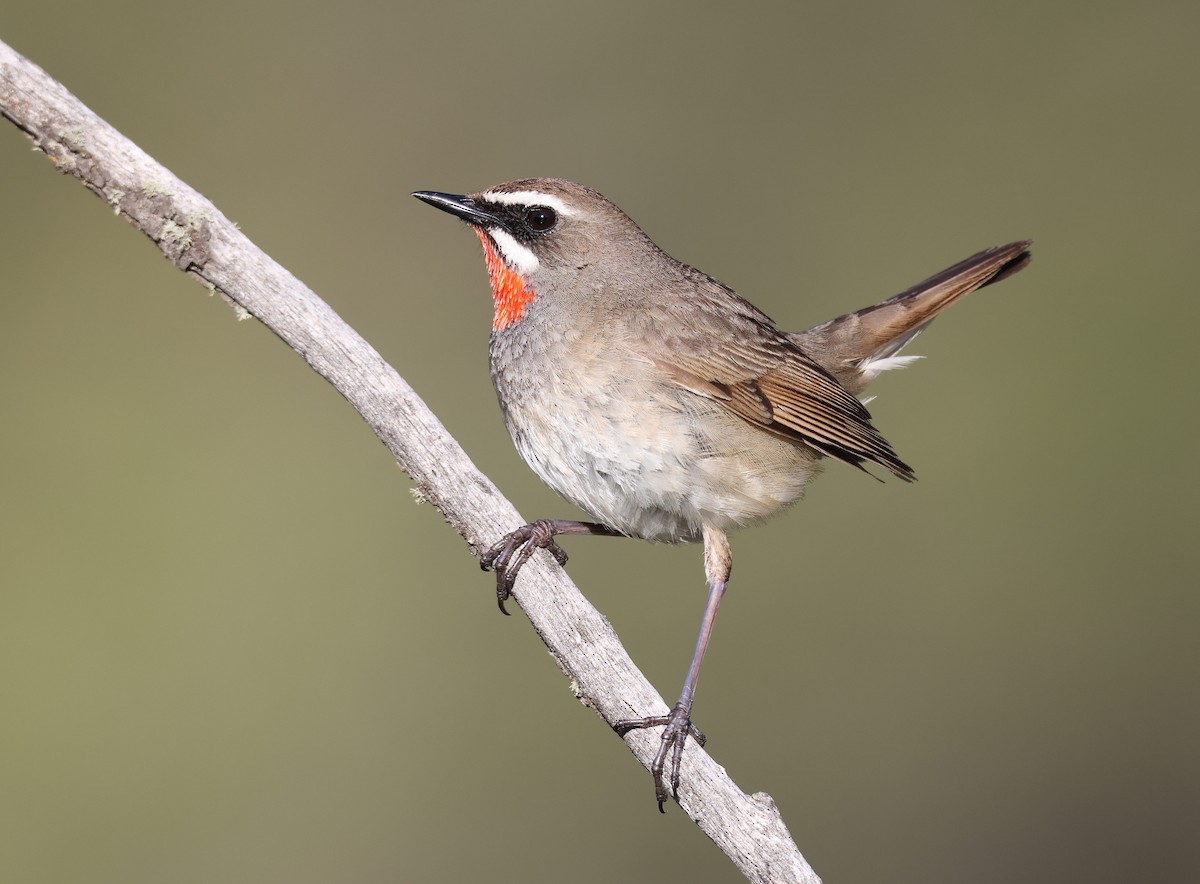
(508, 289)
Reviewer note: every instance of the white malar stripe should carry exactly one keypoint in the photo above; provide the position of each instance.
(515, 255)
(528, 198)
(871, 368)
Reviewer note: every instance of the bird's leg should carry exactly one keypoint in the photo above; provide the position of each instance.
(510, 553)
(717, 565)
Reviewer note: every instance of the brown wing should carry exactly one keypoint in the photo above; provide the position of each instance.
(725, 349)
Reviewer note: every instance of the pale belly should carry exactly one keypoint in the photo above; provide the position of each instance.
(653, 461)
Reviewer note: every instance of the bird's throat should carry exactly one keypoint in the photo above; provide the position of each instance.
(508, 289)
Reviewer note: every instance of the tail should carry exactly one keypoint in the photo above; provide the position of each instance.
(856, 347)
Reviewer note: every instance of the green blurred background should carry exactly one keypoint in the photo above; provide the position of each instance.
(234, 649)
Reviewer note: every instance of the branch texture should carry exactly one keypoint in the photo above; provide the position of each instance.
(193, 234)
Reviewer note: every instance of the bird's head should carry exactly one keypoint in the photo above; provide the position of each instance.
(540, 234)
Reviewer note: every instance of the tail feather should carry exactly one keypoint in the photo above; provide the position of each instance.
(855, 347)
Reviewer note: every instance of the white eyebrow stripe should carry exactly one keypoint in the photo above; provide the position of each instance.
(519, 258)
(527, 198)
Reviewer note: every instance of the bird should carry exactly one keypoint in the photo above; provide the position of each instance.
(661, 402)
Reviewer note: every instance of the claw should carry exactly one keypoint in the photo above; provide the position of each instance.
(510, 553)
(674, 736)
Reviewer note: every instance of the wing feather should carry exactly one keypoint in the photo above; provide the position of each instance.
(725, 349)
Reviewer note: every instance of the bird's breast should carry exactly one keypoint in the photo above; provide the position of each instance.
(597, 421)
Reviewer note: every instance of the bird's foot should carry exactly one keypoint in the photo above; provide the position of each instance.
(510, 553)
(678, 728)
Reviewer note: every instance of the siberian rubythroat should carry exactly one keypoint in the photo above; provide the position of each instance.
(662, 403)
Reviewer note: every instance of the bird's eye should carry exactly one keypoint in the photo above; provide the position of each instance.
(541, 218)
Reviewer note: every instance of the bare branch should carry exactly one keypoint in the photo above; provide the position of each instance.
(202, 242)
